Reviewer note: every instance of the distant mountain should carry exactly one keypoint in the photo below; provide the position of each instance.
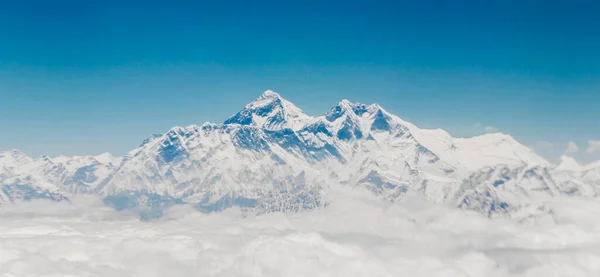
(271, 156)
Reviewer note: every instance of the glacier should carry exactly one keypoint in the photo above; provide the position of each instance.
(272, 157)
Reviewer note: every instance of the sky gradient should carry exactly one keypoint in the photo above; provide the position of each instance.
(85, 77)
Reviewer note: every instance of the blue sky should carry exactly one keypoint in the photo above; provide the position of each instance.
(84, 77)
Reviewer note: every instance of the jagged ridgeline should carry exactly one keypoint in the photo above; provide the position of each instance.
(271, 156)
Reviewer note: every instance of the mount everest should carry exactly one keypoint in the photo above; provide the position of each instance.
(271, 156)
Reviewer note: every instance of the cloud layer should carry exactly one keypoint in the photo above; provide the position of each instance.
(353, 237)
(571, 148)
(593, 147)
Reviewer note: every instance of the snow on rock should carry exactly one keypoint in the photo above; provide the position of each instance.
(270, 111)
(271, 156)
(568, 164)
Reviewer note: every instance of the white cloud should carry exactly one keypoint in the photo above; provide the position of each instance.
(351, 237)
(593, 147)
(571, 148)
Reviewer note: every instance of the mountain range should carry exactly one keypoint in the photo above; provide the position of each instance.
(271, 156)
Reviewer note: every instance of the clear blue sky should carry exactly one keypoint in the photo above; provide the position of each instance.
(84, 77)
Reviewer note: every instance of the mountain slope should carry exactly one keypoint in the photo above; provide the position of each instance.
(273, 157)
(270, 111)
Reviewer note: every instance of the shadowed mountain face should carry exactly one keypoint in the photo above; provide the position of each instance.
(271, 156)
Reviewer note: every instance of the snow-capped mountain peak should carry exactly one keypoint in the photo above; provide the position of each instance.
(567, 163)
(480, 151)
(272, 156)
(347, 109)
(13, 156)
(45, 158)
(272, 112)
(105, 158)
(355, 121)
(345, 120)
(269, 94)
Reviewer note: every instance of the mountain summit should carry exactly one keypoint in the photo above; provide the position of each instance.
(270, 111)
(271, 156)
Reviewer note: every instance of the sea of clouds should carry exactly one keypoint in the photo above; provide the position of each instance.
(354, 236)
